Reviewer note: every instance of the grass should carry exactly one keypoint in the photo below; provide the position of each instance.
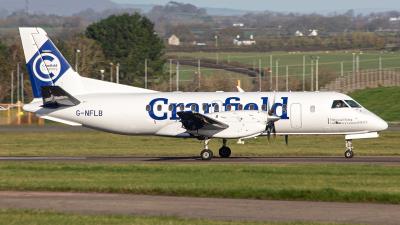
(91, 143)
(19, 217)
(315, 182)
(328, 60)
(383, 101)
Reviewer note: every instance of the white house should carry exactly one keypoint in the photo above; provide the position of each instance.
(298, 34)
(313, 33)
(239, 42)
(174, 40)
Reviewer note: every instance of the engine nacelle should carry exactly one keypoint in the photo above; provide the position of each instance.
(241, 124)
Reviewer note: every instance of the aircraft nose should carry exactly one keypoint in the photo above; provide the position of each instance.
(380, 124)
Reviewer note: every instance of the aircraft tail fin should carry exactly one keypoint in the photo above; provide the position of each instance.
(45, 63)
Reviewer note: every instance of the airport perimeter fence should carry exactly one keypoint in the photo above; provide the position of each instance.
(264, 74)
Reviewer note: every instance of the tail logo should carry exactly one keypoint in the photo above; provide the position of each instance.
(46, 67)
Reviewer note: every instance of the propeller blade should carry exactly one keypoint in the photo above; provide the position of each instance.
(287, 139)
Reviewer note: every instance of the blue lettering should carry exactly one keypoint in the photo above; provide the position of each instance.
(196, 107)
(284, 115)
(151, 112)
(247, 107)
(228, 102)
(175, 107)
(264, 102)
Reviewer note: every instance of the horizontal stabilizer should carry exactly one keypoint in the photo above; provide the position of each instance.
(195, 121)
(55, 96)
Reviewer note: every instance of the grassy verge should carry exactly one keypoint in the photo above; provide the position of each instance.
(101, 144)
(346, 183)
(12, 217)
(382, 101)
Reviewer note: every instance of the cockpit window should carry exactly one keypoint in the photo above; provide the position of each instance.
(339, 104)
(353, 104)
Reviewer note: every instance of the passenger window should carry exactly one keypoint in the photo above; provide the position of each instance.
(339, 104)
(205, 107)
(264, 107)
(312, 108)
(159, 107)
(228, 107)
(171, 107)
(193, 108)
(353, 104)
(181, 107)
(148, 108)
(216, 107)
(252, 107)
(240, 107)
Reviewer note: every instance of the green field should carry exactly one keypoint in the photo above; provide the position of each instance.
(315, 182)
(88, 143)
(14, 217)
(329, 61)
(382, 101)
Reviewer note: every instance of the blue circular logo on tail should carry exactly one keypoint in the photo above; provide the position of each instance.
(46, 67)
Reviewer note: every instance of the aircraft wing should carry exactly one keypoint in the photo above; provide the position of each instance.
(192, 121)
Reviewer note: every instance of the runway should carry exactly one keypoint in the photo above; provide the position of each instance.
(204, 208)
(249, 160)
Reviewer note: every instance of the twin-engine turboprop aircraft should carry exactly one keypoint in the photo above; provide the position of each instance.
(62, 95)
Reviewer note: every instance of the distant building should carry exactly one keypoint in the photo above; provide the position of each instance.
(313, 33)
(199, 43)
(238, 25)
(298, 34)
(239, 42)
(394, 19)
(174, 40)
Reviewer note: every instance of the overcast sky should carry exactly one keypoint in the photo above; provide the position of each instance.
(285, 5)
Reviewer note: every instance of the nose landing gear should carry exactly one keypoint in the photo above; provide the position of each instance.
(206, 154)
(349, 149)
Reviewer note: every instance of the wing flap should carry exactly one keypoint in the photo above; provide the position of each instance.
(192, 121)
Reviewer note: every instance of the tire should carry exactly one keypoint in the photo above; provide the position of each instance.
(348, 154)
(206, 154)
(225, 152)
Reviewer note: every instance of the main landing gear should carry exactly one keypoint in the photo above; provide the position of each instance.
(349, 149)
(207, 154)
(224, 151)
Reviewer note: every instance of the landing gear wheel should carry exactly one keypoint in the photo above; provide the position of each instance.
(349, 154)
(225, 152)
(206, 154)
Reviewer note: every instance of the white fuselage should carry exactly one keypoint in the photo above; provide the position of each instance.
(155, 113)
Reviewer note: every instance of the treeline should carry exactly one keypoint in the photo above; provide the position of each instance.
(356, 40)
(129, 42)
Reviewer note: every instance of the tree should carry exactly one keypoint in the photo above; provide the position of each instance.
(130, 40)
(4, 72)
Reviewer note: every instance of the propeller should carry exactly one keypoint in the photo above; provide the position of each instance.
(287, 139)
(272, 118)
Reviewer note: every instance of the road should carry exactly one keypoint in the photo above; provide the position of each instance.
(244, 160)
(204, 208)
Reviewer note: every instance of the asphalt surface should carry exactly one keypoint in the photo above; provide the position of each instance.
(204, 208)
(54, 128)
(236, 160)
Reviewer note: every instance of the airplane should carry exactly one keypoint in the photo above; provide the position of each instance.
(62, 95)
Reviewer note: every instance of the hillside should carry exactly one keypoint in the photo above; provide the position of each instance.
(385, 102)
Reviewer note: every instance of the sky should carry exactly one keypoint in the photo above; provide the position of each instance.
(285, 5)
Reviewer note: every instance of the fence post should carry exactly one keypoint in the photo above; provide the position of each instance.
(287, 78)
(177, 76)
(380, 70)
(312, 75)
(277, 76)
(271, 73)
(199, 72)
